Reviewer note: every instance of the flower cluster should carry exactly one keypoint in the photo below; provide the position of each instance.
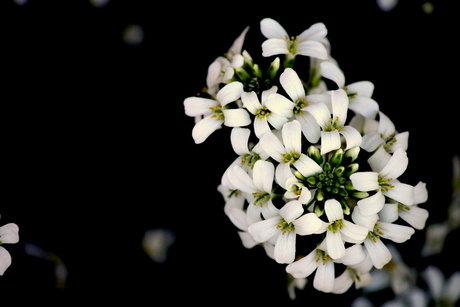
(315, 180)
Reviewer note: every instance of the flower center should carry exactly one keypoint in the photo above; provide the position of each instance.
(385, 184)
(261, 198)
(299, 105)
(284, 226)
(290, 157)
(292, 43)
(263, 112)
(217, 110)
(336, 226)
(333, 125)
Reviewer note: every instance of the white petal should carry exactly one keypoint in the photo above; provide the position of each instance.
(308, 224)
(9, 233)
(238, 218)
(365, 181)
(274, 46)
(321, 113)
(342, 283)
(335, 244)
(333, 210)
(272, 145)
(379, 159)
(239, 138)
(401, 192)
(205, 127)
(420, 193)
(196, 106)
(285, 247)
(389, 213)
(5, 260)
(261, 126)
(353, 255)
(365, 106)
(270, 28)
(394, 232)
(310, 128)
(330, 140)
(316, 32)
(306, 166)
(379, 253)
(371, 141)
(372, 204)
(276, 120)
(332, 72)
(292, 84)
(251, 102)
(247, 239)
(324, 277)
(283, 173)
(312, 49)
(269, 210)
(264, 230)
(238, 43)
(368, 221)
(352, 136)
(362, 88)
(339, 100)
(241, 180)
(229, 93)
(386, 126)
(291, 210)
(292, 135)
(304, 267)
(236, 118)
(415, 216)
(280, 105)
(396, 165)
(355, 232)
(263, 175)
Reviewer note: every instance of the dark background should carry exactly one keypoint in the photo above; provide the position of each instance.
(97, 148)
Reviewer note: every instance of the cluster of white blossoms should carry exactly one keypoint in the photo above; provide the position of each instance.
(315, 181)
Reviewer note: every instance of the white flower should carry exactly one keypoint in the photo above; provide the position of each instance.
(263, 115)
(289, 152)
(283, 229)
(214, 111)
(385, 135)
(359, 93)
(340, 230)
(259, 186)
(412, 214)
(222, 69)
(239, 138)
(298, 106)
(319, 260)
(9, 234)
(279, 42)
(333, 125)
(444, 293)
(358, 274)
(387, 169)
(379, 253)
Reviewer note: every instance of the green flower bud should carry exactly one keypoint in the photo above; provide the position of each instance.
(360, 194)
(351, 169)
(327, 167)
(352, 154)
(339, 171)
(315, 154)
(273, 69)
(336, 158)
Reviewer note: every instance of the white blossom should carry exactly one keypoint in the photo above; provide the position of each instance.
(384, 181)
(308, 43)
(214, 112)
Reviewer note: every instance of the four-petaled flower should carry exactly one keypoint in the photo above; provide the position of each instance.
(9, 233)
(214, 111)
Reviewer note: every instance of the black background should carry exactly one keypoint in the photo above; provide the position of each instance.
(97, 148)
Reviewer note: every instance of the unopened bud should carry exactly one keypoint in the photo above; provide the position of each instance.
(337, 157)
(273, 69)
(315, 154)
(352, 154)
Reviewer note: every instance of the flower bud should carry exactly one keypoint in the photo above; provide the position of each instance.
(315, 154)
(351, 169)
(273, 69)
(360, 194)
(352, 154)
(336, 158)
